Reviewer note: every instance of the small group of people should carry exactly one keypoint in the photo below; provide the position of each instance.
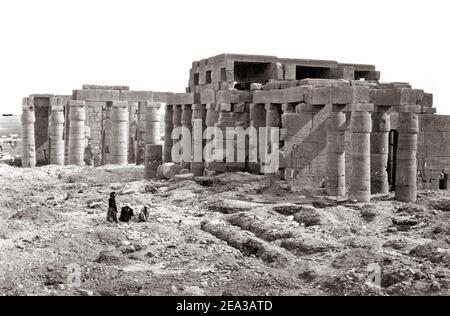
(126, 213)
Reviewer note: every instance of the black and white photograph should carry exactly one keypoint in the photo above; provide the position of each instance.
(235, 151)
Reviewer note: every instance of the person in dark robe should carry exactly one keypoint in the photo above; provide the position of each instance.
(112, 209)
(126, 214)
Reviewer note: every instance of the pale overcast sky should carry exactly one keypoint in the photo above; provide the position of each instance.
(54, 46)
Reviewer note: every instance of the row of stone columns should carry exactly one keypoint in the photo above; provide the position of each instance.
(119, 133)
(369, 154)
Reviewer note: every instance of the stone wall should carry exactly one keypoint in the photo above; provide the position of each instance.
(434, 149)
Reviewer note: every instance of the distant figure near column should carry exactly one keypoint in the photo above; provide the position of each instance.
(77, 140)
(57, 133)
(28, 139)
(119, 140)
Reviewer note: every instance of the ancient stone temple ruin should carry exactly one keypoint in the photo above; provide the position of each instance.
(335, 125)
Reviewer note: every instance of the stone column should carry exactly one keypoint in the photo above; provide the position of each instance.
(153, 124)
(28, 139)
(186, 123)
(289, 110)
(107, 134)
(257, 121)
(212, 117)
(77, 140)
(198, 128)
(153, 159)
(335, 168)
(273, 120)
(133, 133)
(406, 176)
(242, 119)
(226, 144)
(176, 124)
(168, 121)
(379, 142)
(153, 147)
(119, 141)
(361, 127)
(57, 150)
(140, 141)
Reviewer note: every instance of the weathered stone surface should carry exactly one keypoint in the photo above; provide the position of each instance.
(96, 95)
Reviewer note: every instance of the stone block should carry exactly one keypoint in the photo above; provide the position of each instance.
(393, 96)
(240, 107)
(234, 96)
(319, 96)
(96, 95)
(181, 98)
(272, 96)
(372, 75)
(427, 100)
(208, 96)
(347, 95)
(318, 83)
(295, 94)
(290, 121)
(342, 72)
(290, 71)
(101, 87)
(224, 107)
(442, 123)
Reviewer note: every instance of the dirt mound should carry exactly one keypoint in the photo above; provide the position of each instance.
(259, 227)
(442, 205)
(433, 252)
(246, 244)
(411, 209)
(110, 236)
(356, 258)
(39, 215)
(368, 214)
(110, 257)
(396, 244)
(273, 189)
(227, 206)
(307, 245)
(291, 209)
(308, 218)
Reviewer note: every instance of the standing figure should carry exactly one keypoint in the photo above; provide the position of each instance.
(89, 155)
(112, 209)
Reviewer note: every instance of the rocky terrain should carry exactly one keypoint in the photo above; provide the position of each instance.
(235, 234)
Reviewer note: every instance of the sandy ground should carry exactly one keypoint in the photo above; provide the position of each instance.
(237, 234)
